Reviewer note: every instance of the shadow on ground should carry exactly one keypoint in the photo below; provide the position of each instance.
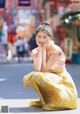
(30, 109)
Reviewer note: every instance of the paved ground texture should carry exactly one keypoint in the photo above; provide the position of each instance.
(18, 106)
(14, 96)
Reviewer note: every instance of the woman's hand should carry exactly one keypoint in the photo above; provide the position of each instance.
(39, 45)
(46, 45)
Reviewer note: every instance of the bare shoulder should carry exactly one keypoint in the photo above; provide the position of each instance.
(56, 48)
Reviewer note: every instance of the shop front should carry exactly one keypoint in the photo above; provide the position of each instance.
(68, 34)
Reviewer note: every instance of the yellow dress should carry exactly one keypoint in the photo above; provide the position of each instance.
(56, 91)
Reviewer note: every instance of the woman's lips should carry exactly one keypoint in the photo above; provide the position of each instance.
(42, 43)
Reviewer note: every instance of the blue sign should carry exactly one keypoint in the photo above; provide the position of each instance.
(2, 3)
(24, 3)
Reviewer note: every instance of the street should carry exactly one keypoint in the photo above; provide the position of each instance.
(14, 94)
(11, 81)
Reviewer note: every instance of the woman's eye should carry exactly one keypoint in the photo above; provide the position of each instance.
(39, 36)
(44, 37)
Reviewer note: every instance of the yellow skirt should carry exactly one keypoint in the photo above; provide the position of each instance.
(56, 91)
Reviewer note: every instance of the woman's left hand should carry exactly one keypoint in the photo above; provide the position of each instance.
(46, 45)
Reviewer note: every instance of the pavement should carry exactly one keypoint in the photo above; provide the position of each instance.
(18, 106)
(14, 96)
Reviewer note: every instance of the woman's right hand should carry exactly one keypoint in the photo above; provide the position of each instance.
(39, 45)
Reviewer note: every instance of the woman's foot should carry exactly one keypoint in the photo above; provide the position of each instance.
(34, 103)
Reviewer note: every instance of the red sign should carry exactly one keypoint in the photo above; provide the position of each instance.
(0, 13)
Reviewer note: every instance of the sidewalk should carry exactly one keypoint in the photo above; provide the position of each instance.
(18, 106)
(15, 61)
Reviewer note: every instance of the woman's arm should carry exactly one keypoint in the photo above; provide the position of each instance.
(37, 58)
(44, 68)
(44, 61)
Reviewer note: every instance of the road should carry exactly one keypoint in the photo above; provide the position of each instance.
(12, 88)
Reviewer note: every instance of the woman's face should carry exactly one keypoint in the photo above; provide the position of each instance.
(42, 38)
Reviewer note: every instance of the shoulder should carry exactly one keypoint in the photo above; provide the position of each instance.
(57, 51)
(56, 48)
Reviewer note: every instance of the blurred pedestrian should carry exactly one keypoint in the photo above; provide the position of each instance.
(19, 43)
(26, 49)
(5, 36)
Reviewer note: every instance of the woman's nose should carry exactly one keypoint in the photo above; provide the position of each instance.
(41, 39)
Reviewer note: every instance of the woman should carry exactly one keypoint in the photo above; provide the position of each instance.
(50, 79)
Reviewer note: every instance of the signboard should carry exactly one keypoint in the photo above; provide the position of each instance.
(24, 3)
(68, 48)
(2, 3)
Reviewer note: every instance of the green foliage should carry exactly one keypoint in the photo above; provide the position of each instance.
(44, 1)
(1, 32)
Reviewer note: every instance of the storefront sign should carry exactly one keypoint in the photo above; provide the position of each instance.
(2, 3)
(24, 3)
(68, 45)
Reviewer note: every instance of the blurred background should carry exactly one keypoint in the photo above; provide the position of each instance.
(20, 18)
